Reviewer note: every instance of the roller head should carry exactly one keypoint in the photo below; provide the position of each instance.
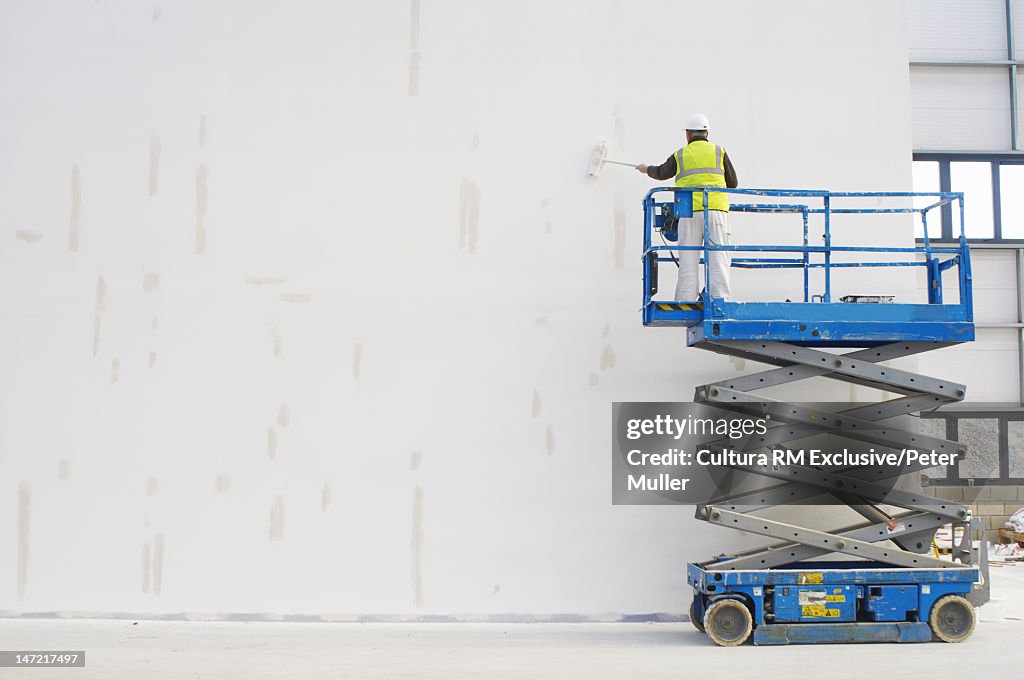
(597, 160)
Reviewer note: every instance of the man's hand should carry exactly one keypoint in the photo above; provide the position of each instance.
(641, 168)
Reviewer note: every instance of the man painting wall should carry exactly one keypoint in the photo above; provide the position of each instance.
(700, 163)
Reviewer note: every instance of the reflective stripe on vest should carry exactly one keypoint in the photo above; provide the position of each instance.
(700, 163)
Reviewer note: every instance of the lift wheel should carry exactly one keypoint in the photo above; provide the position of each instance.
(952, 619)
(728, 623)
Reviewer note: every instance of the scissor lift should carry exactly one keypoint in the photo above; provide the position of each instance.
(879, 581)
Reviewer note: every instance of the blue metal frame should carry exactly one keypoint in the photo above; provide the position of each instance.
(816, 320)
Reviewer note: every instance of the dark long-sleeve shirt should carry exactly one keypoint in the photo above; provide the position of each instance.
(668, 170)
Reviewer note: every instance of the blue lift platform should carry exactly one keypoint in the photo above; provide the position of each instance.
(878, 581)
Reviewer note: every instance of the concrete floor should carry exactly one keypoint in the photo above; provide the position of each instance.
(180, 649)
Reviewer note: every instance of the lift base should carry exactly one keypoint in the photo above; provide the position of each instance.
(830, 602)
(804, 633)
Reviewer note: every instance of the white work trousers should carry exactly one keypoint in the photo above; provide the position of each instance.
(691, 233)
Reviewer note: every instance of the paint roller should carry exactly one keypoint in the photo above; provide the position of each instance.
(598, 160)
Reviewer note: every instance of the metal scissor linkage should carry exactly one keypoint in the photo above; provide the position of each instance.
(822, 541)
(908, 527)
(857, 367)
(899, 540)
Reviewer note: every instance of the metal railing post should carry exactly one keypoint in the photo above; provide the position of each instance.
(828, 252)
(707, 255)
(807, 260)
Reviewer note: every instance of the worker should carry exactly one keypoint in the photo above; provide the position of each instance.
(700, 163)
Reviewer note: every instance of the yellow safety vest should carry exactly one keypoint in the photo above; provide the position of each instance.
(701, 163)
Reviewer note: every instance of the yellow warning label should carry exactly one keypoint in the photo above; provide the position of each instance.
(813, 577)
(819, 612)
(835, 598)
(675, 306)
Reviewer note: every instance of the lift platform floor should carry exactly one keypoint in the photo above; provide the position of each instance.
(814, 324)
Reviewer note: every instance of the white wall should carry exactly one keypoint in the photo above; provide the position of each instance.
(989, 366)
(363, 230)
(959, 108)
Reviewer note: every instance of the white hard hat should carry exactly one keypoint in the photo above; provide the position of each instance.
(697, 121)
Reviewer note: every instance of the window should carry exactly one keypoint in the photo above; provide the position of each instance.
(1011, 192)
(974, 179)
(993, 188)
(926, 179)
(994, 441)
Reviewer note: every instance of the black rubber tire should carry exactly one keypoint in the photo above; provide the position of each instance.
(728, 623)
(697, 621)
(952, 619)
